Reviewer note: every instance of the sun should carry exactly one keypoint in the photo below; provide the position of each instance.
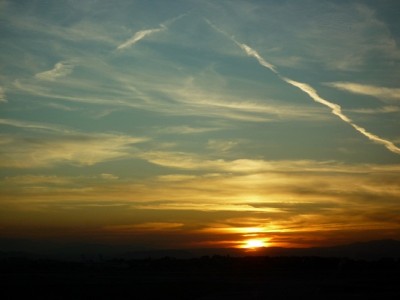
(254, 244)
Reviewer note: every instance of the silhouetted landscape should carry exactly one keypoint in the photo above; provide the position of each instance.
(368, 270)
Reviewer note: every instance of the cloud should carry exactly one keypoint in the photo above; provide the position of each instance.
(163, 90)
(2, 95)
(176, 177)
(23, 180)
(277, 198)
(221, 146)
(61, 69)
(178, 99)
(286, 186)
(138, 36)
(34, 125)
(143, 33)
(231, 104)
(334, 35)
(61, 145)
(82, 149)
(98, 98)
(108, 176)
(60, 106)
(380, 110)
(83, 30)
(145, 227)
(368, 90)
(184, 129)
(335, 108)
(191, 161)
(204, 206)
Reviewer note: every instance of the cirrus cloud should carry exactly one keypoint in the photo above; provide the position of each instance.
(60, 69)
(380, 92)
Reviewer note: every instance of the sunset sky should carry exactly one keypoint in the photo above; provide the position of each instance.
(190, 123)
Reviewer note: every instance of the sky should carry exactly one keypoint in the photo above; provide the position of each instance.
(187, 124)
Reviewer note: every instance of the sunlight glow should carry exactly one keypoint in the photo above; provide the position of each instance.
(254, 244)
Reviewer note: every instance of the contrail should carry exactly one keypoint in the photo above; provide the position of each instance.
(311, 92)
(143, 33)
(337, 110)
(249, 51)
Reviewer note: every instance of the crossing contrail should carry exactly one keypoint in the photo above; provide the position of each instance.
(311, 92)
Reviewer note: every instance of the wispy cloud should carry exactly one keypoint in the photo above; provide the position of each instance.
(204, 207)
(83, 149)
(230, 105)
(181, 95)
(196, 162)
(369, 90)
(140, 35)
(222, 146)
(93, 99)
(273, 184)
(185, 129)
(145, 227)
(34, 125)
(143, 33)
(335, 108)
(84, 30)
(2, 95)
(108, 176)
(28, 180)
(61, 69)
(380, 110)
(274, 198)
(61, 146)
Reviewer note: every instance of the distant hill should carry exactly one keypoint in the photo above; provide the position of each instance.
(360, 250)
(370, 250)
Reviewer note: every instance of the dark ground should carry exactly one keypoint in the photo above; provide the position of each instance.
(206, 278)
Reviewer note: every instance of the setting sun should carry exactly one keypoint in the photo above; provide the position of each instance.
(254, 243)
